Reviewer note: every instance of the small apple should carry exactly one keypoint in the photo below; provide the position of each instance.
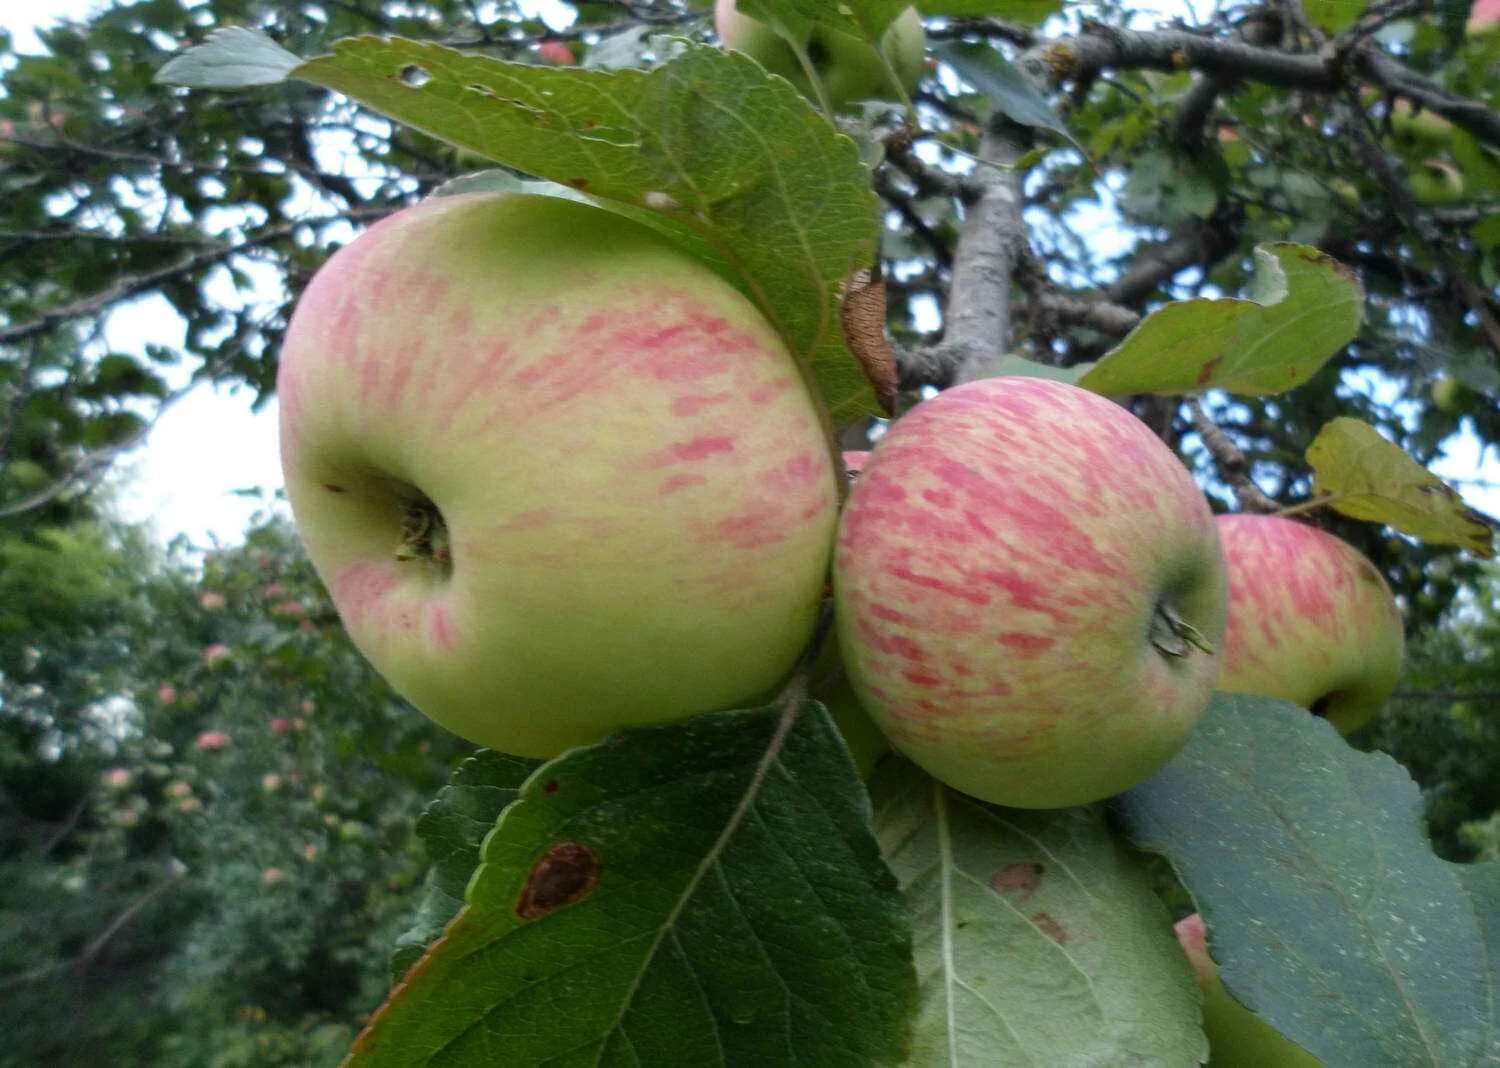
(1346, 191)
(1029, 593)
(1310, 620)
(1435, 182)
(1237, 1037)
(559, 477)
(556, 53)
(849, 68)
(1449, 394)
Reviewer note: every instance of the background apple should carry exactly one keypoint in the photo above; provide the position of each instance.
(848, 67)
(1237, 1037)
(559, 477)
(1435, 181)
(1310, 620)
(1021, 574)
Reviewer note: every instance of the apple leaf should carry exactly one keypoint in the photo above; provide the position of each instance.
(233, 57)
(452, 828)
(706, 892)
(726, 161)
(1005, 87)
(1333, 15)
(1483, 883)
(1301, 309)
(1028, 12)
(1364, 476)
(1039, 940)
(1328, 912)
(865, 19)
(1019, 366)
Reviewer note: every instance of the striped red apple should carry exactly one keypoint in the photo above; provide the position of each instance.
(1029, 593)
(559, 477)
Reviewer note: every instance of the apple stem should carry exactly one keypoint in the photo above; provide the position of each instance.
(424, 535)
(1174, 636)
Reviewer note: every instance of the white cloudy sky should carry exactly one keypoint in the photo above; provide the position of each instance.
(211, 443)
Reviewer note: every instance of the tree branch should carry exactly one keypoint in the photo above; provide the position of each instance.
(135, 284)
(1230, 461)
(1100, 47)
(977, 320)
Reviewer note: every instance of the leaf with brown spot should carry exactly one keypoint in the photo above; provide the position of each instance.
(706, 892)
(1021, 879)
(565, 874)
(1299, 310)
(1039, 939)
(1364, 476)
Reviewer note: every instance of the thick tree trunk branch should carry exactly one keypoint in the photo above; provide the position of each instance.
(977, 321)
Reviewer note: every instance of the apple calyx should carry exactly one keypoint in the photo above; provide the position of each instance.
(424, 534)
(1174, 636)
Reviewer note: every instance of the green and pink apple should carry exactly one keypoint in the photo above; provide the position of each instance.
(559, 477)
(1310, 620)
(1029, 593)
(1237, 1037)
(849, 68)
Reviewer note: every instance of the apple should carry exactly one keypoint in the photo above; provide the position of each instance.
(1237, 1037)
(556, 53)
(1435, 182)
(831, 685)
(849, 68)
(1310, 620)
(1449, 394)
(559, 477)
(1029, 593)
(1484, 18)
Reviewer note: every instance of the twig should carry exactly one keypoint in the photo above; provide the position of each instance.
(1230, 461)
(132, 285)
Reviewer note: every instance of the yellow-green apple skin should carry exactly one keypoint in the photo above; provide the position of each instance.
(1310, 620)
(1237, 1037)
(1006, 563)
(831, 685)
(849, 68)
(636, 491)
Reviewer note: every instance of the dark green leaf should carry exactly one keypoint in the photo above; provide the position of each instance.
(708, 892)
(452, 829)
(1328, 912)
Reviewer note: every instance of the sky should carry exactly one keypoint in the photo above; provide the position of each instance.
(211, 445)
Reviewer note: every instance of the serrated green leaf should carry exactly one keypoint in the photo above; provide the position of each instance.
(1039, 940)
(1328, 912)
(452, 828)
(1301, 309)
(233, 57)
(731, 164)
(1366, 477)
(707, 892)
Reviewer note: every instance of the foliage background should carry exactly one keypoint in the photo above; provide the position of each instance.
(207, 799)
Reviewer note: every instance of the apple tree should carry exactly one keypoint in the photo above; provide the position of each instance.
(1267, 233)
